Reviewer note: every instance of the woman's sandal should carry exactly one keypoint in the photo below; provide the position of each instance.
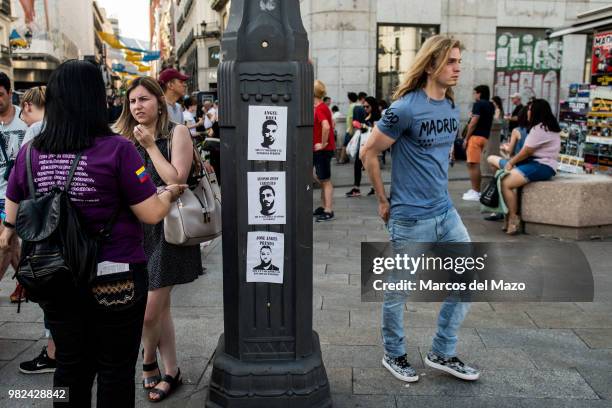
(148, 383)
(174, 383)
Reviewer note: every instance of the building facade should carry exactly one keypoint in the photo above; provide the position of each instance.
(54, 32)
(367, 45)
(198, 45)
(163, 34)
(6, 65)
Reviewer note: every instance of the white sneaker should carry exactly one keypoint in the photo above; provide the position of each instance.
(471, 195)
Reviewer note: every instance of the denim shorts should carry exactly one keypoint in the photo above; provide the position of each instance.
(532, 170)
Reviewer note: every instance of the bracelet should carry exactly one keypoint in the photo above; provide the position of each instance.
(8, 224)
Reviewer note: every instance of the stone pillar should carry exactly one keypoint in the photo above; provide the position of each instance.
(342, 45)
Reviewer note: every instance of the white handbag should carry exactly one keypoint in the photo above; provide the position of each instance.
(196, 216)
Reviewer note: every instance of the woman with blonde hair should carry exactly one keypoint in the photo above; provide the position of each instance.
(167, 151)
(421, 125)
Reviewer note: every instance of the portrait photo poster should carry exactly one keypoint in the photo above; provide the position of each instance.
(267, 134)
(265, 256)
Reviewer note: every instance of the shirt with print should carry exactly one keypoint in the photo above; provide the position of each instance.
(11, 137)
(424, 130)
(110, 174)
(547, 145)
(485, 110)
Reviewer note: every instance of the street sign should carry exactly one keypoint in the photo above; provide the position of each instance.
(268, 355)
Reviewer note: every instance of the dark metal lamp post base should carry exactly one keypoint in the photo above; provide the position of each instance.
(269, 384)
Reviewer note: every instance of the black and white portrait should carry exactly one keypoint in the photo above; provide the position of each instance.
(267, 138)
(266, 199)
(265, 255)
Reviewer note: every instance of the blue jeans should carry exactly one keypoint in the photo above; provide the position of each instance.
(446, 227)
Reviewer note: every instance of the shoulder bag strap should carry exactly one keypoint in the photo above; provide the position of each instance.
(75, 163)
(31, 186)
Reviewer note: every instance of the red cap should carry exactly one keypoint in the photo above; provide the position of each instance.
(169, 74)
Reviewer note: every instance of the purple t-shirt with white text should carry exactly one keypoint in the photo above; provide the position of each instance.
(110, 174)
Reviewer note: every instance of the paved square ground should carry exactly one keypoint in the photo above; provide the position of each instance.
(531, 355)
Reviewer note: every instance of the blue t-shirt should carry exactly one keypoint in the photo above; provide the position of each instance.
(424, 130)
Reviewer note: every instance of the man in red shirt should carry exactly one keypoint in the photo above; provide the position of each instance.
(324, 147)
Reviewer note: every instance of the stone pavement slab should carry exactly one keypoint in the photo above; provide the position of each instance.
(530, 354)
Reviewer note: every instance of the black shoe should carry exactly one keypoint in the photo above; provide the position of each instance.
(41, 364)
(495, 217)
(174, 383)
(355, 192)
(318, 211)
(371, 192)
(325, 217)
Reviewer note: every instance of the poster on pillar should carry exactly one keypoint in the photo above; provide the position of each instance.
(265, 256)
(266, 199)
(267, 133)
(601, 67)
(528, 63)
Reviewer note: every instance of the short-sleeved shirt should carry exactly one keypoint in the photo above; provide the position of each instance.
(110, 174)
(189, 119)
(11, 137)
(322, 113)
(359, 113)
(424, 130)
(175, 113)
(547, 145)
(512, 124)
(485, 111)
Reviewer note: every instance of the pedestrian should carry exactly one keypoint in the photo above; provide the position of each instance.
(499, 108)
(191, 104)
(352, 97)
(536, 161)
(518, 106)
(174, 87)
(421, 209)
(478, 132)
(93, 338)
(32, 114)
(372, 110)
(327, 101)
(208, 114)
(324, 147)
(167, 150)
(510, 149)
(12, 132)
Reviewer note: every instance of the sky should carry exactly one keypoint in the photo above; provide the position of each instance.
(133, 16)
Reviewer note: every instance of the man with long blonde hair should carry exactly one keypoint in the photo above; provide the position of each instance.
(421, 125)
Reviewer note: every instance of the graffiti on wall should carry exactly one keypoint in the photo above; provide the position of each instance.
(528, 64)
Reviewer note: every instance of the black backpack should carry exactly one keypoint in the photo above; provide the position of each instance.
(58, 256)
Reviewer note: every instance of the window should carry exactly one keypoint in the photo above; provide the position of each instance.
(214, 54)
(397, 47)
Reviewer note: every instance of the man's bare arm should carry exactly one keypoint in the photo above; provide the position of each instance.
(377, 143)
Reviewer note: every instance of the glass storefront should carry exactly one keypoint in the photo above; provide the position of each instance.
(397, 47)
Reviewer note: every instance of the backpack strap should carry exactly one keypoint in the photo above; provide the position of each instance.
(29, 170)
(75, 163)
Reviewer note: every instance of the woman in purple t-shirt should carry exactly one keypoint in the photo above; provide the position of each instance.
(536, 161)
(92, 336)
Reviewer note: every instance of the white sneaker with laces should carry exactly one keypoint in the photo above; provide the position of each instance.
(471, 195)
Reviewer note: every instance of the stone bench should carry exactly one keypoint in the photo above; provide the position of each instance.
(571, 206)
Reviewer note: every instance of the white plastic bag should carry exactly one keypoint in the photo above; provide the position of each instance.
(358, 140)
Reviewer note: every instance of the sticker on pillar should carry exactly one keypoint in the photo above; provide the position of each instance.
(267, 133)
(266, 197)
(265, 256)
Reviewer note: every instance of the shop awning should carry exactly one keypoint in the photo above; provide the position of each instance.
(587, 22)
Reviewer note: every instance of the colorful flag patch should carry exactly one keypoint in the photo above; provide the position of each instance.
(142, 174)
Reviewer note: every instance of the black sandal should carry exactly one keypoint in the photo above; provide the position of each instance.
(174, 383)
(149, 383)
